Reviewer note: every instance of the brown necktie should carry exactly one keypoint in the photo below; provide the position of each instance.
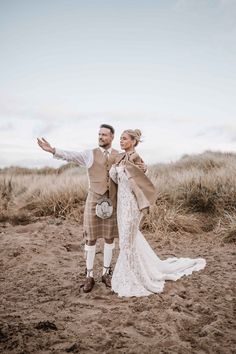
(106, 154)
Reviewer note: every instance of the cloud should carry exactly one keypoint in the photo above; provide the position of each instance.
(163, 141)
(20, 109)
(44, 128)
(227, 3)
(57, 112)
(165, 138)
(188, 5)
(225, 133)
(197, 4)
(7, 126)
(11, 106)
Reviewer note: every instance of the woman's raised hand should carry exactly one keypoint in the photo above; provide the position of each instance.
(44, 144)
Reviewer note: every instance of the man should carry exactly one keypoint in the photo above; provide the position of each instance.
(98, 162)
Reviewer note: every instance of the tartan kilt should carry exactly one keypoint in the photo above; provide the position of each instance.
(95, 227)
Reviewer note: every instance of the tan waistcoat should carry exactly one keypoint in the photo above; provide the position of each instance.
(98, 173)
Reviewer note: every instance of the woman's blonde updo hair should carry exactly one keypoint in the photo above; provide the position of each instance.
(134, 134)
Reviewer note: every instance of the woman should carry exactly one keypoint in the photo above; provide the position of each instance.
(139, 271)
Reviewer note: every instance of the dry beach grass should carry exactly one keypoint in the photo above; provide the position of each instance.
(42, 307)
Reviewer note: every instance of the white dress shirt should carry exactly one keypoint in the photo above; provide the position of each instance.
(82, 158)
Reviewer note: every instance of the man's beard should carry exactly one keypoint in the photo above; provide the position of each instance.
(103, 145)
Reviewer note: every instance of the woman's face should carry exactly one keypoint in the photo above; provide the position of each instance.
(126, 142)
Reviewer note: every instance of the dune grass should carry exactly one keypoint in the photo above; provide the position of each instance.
(33, 195)
(195, 194)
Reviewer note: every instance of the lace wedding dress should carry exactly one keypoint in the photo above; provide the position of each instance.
(139, 271)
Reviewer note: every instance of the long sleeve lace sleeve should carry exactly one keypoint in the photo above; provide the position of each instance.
(113, 174)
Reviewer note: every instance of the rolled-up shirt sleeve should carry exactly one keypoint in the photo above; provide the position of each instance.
(83, 158)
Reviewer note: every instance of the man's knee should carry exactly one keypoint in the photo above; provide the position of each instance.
(91, 243)
(109, 241)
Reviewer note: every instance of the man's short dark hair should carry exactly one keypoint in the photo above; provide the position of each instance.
(107, 126)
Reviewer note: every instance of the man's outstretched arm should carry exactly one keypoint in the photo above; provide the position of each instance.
(84, 158)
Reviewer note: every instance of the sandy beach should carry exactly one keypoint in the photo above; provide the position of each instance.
(43, 309)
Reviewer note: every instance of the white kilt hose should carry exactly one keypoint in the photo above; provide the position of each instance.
(95, 227)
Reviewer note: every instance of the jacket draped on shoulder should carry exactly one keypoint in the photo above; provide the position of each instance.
(141, 185)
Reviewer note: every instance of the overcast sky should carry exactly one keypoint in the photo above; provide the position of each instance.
(166, 67)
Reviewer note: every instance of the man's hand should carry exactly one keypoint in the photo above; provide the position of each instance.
(142, 166)
(44, 144)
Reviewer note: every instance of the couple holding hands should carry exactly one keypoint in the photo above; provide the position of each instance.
(119, 195)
